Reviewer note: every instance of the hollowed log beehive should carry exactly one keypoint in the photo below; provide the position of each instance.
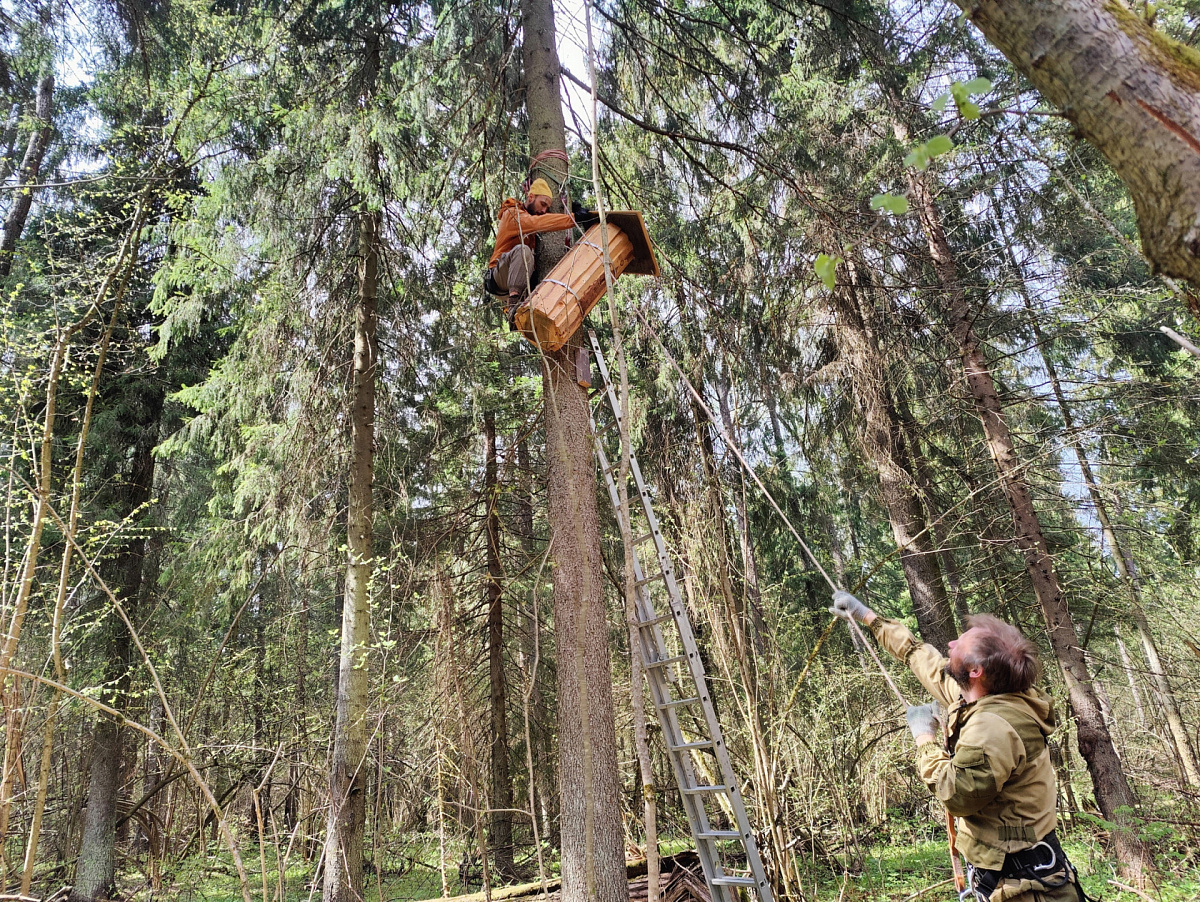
(576, 284)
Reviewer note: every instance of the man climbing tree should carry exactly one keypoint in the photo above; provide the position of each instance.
(510, 271)
(994, 771)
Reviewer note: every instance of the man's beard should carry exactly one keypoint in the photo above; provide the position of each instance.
(960, 675)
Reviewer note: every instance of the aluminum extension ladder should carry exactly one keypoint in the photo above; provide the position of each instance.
(715, 846)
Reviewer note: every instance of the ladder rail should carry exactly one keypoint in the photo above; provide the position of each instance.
(721, 885)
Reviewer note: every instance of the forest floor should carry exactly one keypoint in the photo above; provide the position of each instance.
(912, 872)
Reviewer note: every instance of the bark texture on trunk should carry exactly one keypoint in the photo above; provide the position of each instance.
(95, 867)
(347, 770)
(1130, 91)
(31, 165)
(1126, 564)
(882, 440)
(501, 796)
(593, 857)
(1112, 789)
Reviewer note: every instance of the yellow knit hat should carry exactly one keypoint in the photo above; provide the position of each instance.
(539, 186)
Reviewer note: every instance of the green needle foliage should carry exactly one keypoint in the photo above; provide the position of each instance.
(201, 191)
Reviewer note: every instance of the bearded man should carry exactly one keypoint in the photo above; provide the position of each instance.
(993, 771)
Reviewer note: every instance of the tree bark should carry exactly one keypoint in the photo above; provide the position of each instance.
(347, 773)
(1123, 559)
(95, 868)
(1129, 90)
(31, 165)
(1111, 787)
(593, 858)
(500, 837)
(882, 440)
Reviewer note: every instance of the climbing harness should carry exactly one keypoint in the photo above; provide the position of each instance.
(1044, 864)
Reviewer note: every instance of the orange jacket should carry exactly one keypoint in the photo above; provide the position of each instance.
(517, 222)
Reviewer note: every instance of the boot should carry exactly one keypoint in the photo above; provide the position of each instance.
(515, 300)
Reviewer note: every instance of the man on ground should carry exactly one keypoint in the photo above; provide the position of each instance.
(994, 772)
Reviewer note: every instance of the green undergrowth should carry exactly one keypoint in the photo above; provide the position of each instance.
(408, 871)
(920, 872)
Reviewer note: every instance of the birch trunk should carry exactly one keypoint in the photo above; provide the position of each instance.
(31, 165)
(1112, 789)
(347, 772)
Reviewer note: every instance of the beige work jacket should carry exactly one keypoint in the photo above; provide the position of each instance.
(994, 773)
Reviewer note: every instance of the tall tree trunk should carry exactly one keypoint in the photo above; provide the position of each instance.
(540, 737)
(500, 836)
(95, 868)
(263, 685)
(1111, 787)
(593, 859)
(31, 165)
(1129, 90)
(347, 772)
(1122, 557)
(926, 486)
(1130, 677)
(882, 440)
(753, 595)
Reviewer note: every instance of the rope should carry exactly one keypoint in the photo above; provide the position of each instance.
(733, 446)
(856, 630)
(536, 164)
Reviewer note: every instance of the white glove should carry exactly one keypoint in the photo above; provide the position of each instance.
(922, 720)
(848, 607)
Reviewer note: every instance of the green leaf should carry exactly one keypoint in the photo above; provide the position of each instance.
(939, 105)
(826, 267)
(979, 85)
(969, 110)
(938, 145)
(916, 157)
(893, 203)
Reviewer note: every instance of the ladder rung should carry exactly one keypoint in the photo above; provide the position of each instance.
(655, 621)
(699, 744)
(641, 540)
(719, 834)
(679, 702)
(665, 661)
(646, 580)
(698, 790)
(733, 881)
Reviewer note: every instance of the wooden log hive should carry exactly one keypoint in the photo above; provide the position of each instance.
(563, 298)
